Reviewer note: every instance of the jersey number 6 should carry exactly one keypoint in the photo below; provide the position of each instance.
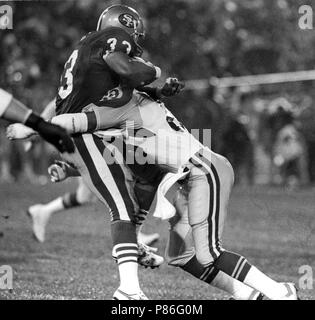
(67, 78)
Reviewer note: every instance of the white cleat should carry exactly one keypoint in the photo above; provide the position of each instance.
(120, 295)
(147, 257)
(39, 217)
(148, 239)
(292, 293)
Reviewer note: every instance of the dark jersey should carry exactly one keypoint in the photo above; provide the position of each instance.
(88, 79)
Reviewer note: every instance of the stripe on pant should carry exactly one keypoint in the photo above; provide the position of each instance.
(99, 172)
(217, 214)
(214, 212)
(118, 173)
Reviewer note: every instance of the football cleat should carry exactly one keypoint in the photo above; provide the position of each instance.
(39, 218)
(120, 295)
(148, 239)
(147, 257)
(257, 296)
(292, 292)
(261, 297)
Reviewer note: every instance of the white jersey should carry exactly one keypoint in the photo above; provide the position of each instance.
(165, 141)
(152, 127)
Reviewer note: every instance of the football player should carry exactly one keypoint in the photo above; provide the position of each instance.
(41, 213)
(210, 177)
(15, 111)
(101, 71)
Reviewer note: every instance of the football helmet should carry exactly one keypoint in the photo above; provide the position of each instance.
(123, 17)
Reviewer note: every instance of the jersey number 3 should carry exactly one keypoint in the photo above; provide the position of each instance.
(67, 77)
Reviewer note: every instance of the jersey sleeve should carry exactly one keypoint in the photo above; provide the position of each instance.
(119, 41)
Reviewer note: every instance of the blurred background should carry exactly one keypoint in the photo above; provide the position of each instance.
(267, 130)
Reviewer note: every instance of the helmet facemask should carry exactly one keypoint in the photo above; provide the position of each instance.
(137, 35)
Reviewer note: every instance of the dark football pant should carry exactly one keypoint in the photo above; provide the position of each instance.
(113, 184)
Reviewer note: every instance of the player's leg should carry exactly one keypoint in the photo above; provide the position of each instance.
(209, 186)
(180, 252)
(41, 213)
(145, 193)
(112, 184)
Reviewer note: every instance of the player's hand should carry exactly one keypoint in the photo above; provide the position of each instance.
(140, 217)
(58, 171)
(56, 135)
(172, 87)
(18, 131)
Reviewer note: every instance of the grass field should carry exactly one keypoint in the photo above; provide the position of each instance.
(272, 227)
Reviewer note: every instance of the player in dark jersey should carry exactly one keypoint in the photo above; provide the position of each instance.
(92, 76)
(103, 70)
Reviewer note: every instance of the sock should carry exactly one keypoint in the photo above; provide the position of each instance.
(237, 289)
(70, 200)
(125, 249)
(54, 205)
(220, 280)
(270, 288)
(238, 267)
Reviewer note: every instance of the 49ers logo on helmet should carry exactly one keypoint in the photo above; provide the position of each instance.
(128, 20)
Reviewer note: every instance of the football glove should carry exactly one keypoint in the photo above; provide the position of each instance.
(172, 87)
(140, 217)
(53, 134)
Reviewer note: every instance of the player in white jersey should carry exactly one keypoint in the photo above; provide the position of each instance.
(209, 184)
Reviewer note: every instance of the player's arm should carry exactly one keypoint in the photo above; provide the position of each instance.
(85, 122)
(18, 131)
(13, 110)
(171, 87)
(49, 111)
(135, 71)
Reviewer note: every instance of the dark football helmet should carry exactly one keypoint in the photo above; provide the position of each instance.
(123, 17)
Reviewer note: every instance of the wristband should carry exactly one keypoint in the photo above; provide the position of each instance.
(33, 121)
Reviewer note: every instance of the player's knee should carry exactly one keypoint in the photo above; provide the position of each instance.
(204, 257)
(181, 259)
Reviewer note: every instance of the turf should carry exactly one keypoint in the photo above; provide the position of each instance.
(272, 227)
